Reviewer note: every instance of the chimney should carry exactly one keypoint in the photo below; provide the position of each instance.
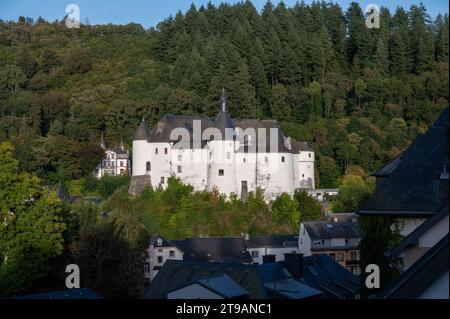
(245, 236)
(294, 263)
(268, 259)
(335, 219)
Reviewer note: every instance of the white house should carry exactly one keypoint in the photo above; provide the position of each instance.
(233, 156)
(116, 161)
(337, 236)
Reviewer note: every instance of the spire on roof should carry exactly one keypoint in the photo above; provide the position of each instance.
(223, 101)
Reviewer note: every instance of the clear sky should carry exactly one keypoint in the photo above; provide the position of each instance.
(150, 12)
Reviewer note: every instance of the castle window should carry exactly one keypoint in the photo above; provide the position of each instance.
(283, 159)
(309, 155)
(180, 157)
(162, 179)
(165, 150)
(179, 169)
(244, 160)
(148, 166)
(160, 259)
(172, 253)
(303, 175)
(121, 163)
(221, 172)
(156, 151)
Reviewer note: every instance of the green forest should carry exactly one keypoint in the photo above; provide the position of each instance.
(358, 96)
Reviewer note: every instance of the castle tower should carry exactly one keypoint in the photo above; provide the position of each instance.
(222, 152)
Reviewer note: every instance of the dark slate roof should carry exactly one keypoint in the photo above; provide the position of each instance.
(327, 275)
(81, 293)
(342, 217)
(413, 238)
(176, 274)
(389, 168)
(165, 242)
(414, 186)
(421, 275)
(292, 289)
(216, 249)
(162, 131)
(272, 241)
(142, 132)
(321, 273)
(328, 230)
(223, 285)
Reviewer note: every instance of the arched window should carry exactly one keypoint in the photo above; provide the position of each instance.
(148, 167)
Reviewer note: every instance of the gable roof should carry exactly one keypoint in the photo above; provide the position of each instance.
(413, 238)
(414, 186)
(328, 230)
(177, 273)
(222, 285)
(292, 289)
(164, 243)
(217, 249)
(274, 241)
(421, 275)
(161, 133)
(324, 273)
(321, 274)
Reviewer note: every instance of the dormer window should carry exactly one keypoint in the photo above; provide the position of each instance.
(159, 242)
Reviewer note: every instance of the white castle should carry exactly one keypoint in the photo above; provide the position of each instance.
(232, 156)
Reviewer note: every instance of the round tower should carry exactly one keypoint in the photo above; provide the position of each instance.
(140, 144)
(222, 153)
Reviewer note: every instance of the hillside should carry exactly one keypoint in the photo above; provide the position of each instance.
(357, 95)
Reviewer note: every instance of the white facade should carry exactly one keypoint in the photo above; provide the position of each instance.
(226, 165)
(158, 254)
(116, 162)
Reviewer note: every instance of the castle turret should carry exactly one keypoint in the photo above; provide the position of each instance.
(222, 152)
(139, 148)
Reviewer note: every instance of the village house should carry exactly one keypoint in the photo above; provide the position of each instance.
(337, 236)
(115, 162)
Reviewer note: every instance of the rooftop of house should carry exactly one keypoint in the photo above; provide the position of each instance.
(221, 285)
(331, 229)
(80, 293)
(322, 272)
(412, 183)
(260, 281)
(217, 249)
(421, 275)
(275, 241)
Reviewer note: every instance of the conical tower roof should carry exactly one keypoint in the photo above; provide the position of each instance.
(223, 120)
(142, 132)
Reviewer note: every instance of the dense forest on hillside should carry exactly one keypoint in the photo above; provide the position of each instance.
(357, 95)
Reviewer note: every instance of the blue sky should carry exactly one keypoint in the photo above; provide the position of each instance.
(150, 12)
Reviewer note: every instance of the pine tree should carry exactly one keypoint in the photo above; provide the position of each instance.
(242, 95)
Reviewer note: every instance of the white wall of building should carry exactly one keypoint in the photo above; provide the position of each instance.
(304, 241)
(274, 173)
